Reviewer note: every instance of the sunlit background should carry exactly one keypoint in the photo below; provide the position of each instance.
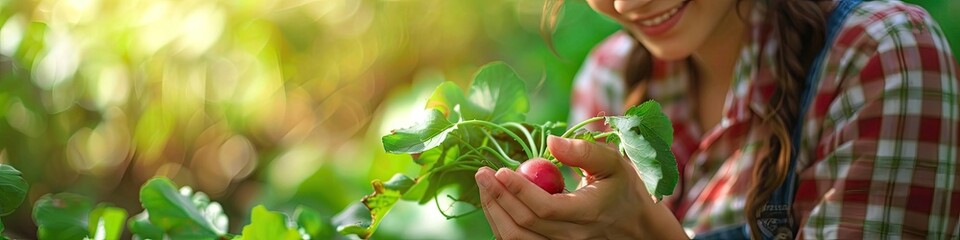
(253, 101)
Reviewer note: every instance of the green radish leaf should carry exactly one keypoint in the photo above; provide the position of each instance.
(1, 228)
(428, 161)
(106, 222)
(312, 224)
(445, 99)
(385, 195)
(62, 216)
(463, 182)
(355, 219)
(497, 95)
(666, 163)
(379, 203)
(13, 189)
(141, 227)
(652, 118)
(614, 139)
(418, 190)
(645, 135)
(183, 213)
(421, 137)
(428, 186)
(467, 190)
(431, 158)
(265, 224)
(424, 189)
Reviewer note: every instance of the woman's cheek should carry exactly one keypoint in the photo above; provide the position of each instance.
(605, 7)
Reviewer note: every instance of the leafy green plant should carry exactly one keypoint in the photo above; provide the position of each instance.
(181, 213)
(185, 214)
(107, 222)
(311, 224)
(460, 133)
(72, 216)
(169, 213)
(265, 224)
(13, 189)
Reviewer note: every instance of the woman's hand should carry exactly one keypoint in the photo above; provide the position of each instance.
(613, 202)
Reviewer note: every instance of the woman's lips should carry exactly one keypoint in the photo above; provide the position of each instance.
(662, 23)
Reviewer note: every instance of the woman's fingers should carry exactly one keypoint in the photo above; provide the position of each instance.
(503, 225)
(522, 214)
(596, 159)
(561, 206)
(493, 225)
(486, 213)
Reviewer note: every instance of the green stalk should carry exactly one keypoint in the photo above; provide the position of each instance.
(538, 148)
(436, 201)
(580, 125)
(543, 142)
(476, 155)
(507, 162)
(527, 134)
(502, 157)
(606, 134)
(503, 154)
(454, 167)
(526, 149)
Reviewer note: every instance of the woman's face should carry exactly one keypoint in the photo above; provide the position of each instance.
(670, 29)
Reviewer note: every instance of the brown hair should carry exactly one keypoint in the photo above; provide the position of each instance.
(799, 27)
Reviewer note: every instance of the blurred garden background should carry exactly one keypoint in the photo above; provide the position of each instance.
(280, 103)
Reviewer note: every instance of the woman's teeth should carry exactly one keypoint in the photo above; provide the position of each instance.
(659, 19)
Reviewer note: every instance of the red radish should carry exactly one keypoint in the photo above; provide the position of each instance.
(542, 173)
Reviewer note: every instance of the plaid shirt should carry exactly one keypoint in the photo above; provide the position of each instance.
(879, 150)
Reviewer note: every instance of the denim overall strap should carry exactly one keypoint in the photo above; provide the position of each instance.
(775, 220)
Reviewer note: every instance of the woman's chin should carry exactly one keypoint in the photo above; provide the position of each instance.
(670, 53)
(669, 50)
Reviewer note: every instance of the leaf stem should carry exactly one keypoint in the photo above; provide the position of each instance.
(474, 154)
(538, 148)
(526, 149)
(543, 142)
(580, 125)
(466, 166)
(477, 150)
(455, 200)
(527, 134)
(606, 134)
(503, 155)
(504, 161)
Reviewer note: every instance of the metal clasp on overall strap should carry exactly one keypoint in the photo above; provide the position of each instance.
(783, 233)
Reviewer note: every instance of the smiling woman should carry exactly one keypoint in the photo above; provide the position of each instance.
(783, 110)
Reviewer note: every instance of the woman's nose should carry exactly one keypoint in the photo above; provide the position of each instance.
(626, 6)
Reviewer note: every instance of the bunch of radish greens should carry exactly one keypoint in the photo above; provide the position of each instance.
(461, 133)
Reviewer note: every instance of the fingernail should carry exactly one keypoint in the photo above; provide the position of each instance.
(558, 145)
(483, 181)
(501, 174)
(483, 177)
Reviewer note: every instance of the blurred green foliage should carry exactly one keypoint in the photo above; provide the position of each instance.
(275, 102)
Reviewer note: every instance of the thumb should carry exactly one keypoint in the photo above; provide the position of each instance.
(596, 159)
